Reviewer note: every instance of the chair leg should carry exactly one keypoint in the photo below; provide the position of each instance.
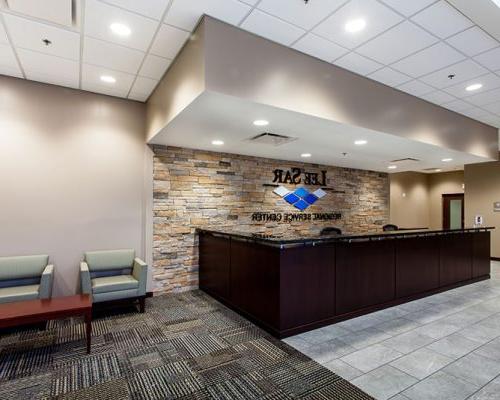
(142, 304)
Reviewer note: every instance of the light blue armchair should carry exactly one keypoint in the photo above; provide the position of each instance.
(114, 275)
(25, 278)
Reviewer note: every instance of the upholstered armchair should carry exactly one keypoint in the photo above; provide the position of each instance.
(25, 278)
(114, 275)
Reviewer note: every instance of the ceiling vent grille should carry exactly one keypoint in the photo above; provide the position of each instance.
(402, 160)
(60, 12)
(272, 139)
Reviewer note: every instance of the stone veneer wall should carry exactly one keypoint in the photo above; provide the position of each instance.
(195, 188)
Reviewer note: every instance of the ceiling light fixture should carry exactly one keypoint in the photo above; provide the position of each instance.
(217, 142)
(447, 159)
(120, 29)
(475, 86)
(355, 25)
(392, 167)
(437, 170)
(260, 122)
(305, 155)
(497, 2)
(108, 79)
(360, 142)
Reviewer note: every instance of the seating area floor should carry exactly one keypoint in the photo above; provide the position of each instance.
(445, 346)
(186, 346)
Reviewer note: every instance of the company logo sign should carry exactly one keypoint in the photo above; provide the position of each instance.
(300, 198)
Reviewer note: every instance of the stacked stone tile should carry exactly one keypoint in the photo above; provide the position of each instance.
(204, 189)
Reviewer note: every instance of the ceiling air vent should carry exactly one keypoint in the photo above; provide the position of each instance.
(61, 12)
(272, 139)
(408, 159)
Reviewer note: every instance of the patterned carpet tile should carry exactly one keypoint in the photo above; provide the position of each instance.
(185, 347)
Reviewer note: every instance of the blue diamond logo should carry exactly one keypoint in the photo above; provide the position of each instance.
(301, 205)
(301, 192)
(310, 198)
(291, 198)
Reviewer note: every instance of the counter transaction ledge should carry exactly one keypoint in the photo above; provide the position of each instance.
(288, 286)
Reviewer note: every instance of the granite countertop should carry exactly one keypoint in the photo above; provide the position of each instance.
(294, 240)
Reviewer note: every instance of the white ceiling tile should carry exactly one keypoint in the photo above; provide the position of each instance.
(458, 105)
(8, 62)
(431, 59)
(142, 88)
(485, 98)
(168, 41)
(489, 81)
(271, 28)
(490, 59)
(320, 48)
(463, 71)
(473, 41)
(3, 34)
(416, 88)
(438, 97)
(377, 16)
(149, 8)
(389, 77)
(442, 20)
(358, 64)
(154, 67)
(185, 14)
(298, 12)
(91, 81)
(476, 113)
(251, 2)
(41, 67)
(99, 16)
(494, 108)
(119, 58)
(408, 7)
(398, 42)
(28, 34)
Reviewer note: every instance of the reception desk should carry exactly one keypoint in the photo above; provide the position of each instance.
(288, 286)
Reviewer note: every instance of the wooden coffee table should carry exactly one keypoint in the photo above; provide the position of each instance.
(33, 311)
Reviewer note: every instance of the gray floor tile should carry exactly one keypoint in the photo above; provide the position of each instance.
(441, 386)
(438, 329)
(474, 368)
(297, 343)
(397, 326)
(490, 350)
(343, 369)
(360, 323)
(489, 392)
(389, 313)
(371, 357)
(480, 332)
(323, 334)
(365, 338)
(329, 350)
(385, 382)
(399, 397)
(454, 346)
(408, 342)
(421, 363)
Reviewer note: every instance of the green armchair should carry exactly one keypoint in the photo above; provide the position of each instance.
(25, 278)
(114, 275)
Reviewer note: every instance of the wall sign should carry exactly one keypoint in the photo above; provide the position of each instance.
(295, 176)
(295, 217)
(496, 206)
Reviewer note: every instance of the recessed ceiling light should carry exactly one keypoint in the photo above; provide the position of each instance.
(437, 170)
(392, 167)
(217, 142)
(355, 25)
(306, 155)
(360, 142)
(260, 122)
(447, 159)
(108, 79)
(120, 29)
(497, 2)
(475, 86)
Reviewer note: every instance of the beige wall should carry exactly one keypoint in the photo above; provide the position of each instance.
(409, 207)
(72, 174)
(416, 198)
(482, 189)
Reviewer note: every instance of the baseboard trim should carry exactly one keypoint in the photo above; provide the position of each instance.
(495, 258)
(149, 294)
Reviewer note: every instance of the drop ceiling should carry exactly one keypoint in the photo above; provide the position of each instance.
(229, 120)
(410, 45)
